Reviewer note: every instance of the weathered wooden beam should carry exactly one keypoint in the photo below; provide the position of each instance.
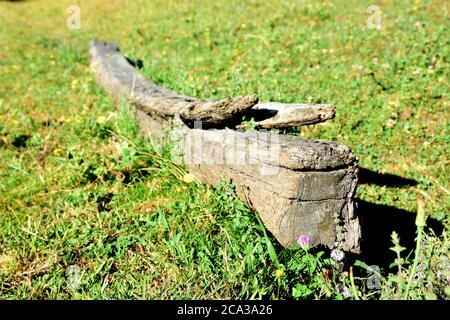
(229, 111)
(297, 185)
(284, 115)
(159, 100)
(218, 112)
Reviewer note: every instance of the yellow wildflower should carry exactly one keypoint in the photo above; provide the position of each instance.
(188, 178)
(279, 273)
(101, 120)
(57, 151)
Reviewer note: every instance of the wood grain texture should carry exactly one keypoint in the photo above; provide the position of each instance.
(297, 185)
(276, 115)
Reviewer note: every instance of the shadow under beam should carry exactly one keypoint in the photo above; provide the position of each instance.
(367, 176)
(377, 224)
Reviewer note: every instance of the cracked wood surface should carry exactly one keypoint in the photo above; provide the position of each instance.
(285, 115)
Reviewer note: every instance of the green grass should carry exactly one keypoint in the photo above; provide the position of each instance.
(80, 189)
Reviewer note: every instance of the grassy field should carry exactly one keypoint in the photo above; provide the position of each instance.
(89, 210)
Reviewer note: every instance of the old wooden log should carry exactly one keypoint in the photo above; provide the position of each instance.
(284, 115)
(297, 185)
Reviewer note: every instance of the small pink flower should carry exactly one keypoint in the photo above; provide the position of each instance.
(304, 241)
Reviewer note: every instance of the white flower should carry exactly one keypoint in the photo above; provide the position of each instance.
(337, 255)
(346, 293)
